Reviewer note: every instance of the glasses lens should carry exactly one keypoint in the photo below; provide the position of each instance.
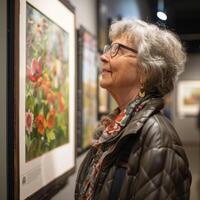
(106, 48)
(114, 49)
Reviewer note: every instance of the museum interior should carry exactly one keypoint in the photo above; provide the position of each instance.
(51, 101)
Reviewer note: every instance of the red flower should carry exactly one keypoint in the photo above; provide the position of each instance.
(51, 118)
(61, 102)
(40, 124)
(46, 84)
(51, 97)
(29, 121)
(111, 128)
(39, 82)
(35, 71)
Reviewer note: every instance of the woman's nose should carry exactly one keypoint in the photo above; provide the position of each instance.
(104, 57)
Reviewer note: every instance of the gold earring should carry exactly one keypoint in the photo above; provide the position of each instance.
(142, 92)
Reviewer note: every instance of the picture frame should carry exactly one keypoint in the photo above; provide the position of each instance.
(188, 98)
(87, 88)
(43, 105)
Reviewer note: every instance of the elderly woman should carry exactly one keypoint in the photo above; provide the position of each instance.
(136, 152)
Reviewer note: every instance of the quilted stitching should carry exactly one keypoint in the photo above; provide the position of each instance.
(163, 182)
(165, 179)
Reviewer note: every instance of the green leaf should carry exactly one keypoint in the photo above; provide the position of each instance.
(45, 109)
(30, 102)
(28, 141)
(37, 109)
(50, 135)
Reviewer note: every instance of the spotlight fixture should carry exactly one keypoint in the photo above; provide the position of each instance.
(161, 11)
(161, 15)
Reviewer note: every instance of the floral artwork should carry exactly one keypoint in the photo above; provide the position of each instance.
(47, 85)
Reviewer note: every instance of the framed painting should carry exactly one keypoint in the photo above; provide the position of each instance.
(44, 110)
(87, 89)
(188, 98)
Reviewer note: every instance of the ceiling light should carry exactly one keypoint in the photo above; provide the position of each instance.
(161, 10)
(161, 15)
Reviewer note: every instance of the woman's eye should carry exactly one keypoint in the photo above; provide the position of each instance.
(114, 49)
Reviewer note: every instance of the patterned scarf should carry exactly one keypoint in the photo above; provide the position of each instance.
(106, 135)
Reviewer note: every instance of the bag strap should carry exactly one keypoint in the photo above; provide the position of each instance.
(121, 166)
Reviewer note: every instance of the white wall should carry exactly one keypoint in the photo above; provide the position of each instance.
(86, 16)
(3, 63)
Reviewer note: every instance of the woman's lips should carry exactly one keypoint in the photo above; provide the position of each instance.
(105, 71)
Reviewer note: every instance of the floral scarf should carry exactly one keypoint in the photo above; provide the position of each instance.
(106, 134)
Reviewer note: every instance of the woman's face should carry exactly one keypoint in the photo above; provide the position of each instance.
(121, 71)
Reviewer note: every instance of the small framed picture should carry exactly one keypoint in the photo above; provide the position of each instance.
(188, 98)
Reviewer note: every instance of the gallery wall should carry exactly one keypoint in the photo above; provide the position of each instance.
(186, 126)
(3, 48)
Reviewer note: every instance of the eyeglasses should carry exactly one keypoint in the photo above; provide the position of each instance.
(114, 48)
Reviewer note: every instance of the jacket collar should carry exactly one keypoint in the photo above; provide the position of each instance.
(154, 105)
(136, 123)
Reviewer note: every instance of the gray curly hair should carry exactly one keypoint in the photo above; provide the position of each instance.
(160, 53)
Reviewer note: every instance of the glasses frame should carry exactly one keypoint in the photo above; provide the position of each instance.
(108, 48)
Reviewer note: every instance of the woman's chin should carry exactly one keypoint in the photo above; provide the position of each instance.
(104, 84)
